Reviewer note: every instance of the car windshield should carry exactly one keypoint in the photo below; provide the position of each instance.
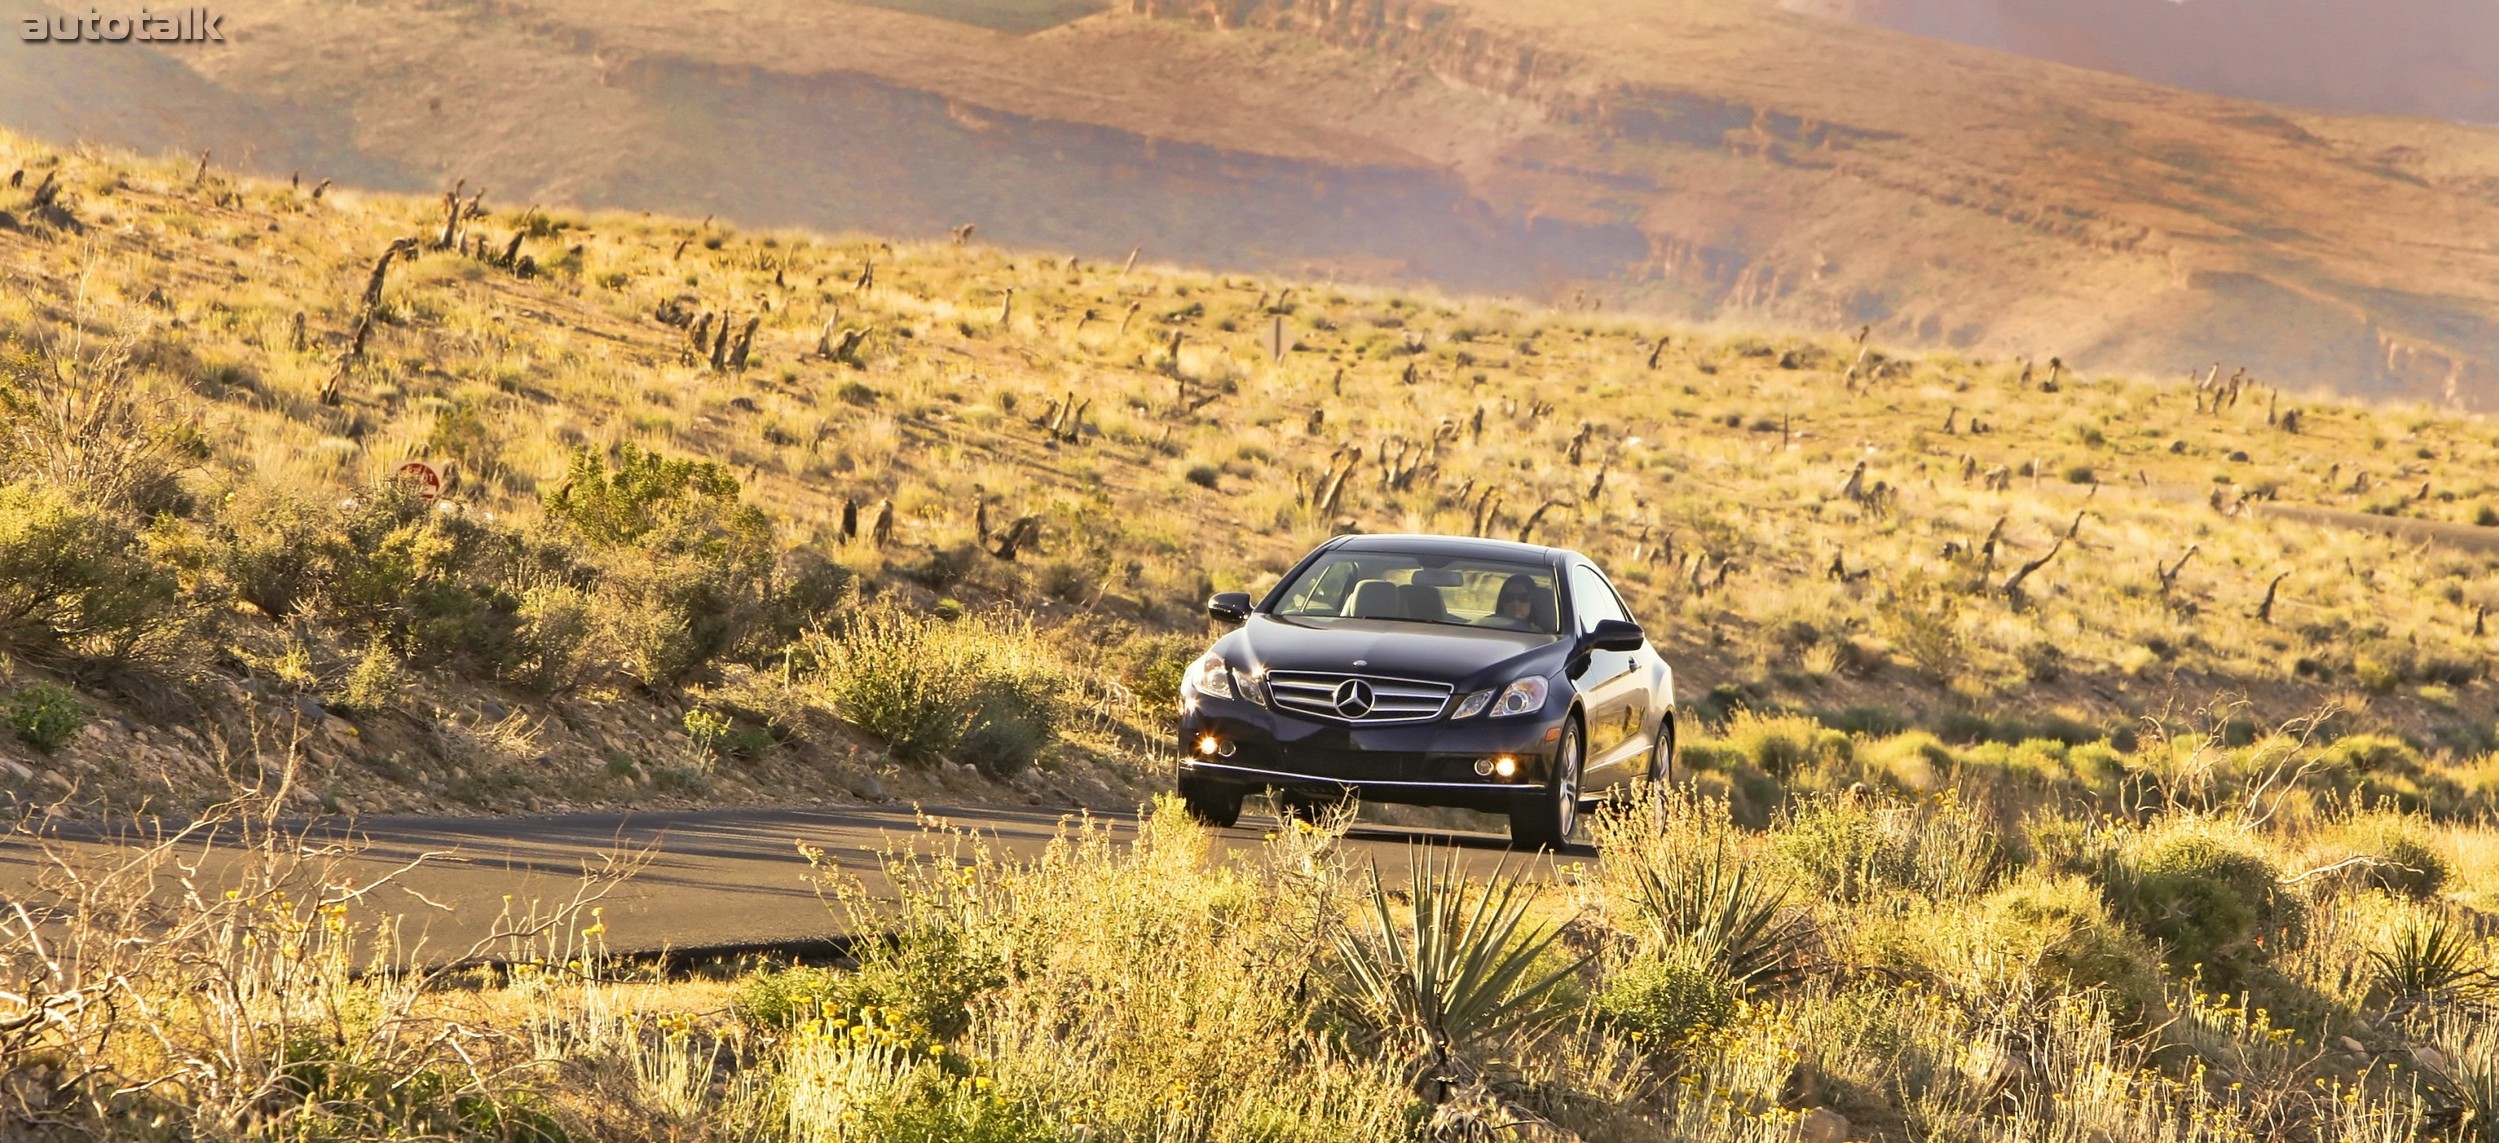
(1458, 591)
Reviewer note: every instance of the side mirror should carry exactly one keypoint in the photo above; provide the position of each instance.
(1229, 607)
(1616, 635)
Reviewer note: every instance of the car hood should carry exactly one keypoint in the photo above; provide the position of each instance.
(1461, 656)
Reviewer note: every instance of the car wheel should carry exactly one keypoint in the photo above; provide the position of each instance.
(1548, 823)
(1217, 806)
(1661, 773)
(1647, 793)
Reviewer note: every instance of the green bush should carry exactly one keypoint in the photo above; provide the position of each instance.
(1857, 848)
(385, 564)
(552, 644)
(2208, 895)
(1914, 761)
(720, 735)
(1152, 667)
(924, 979)
(373, 683)
(2062, 928)
(338, 1096)
(2373, 754)
(661, 504)
(46, 716)
(983, 689)
(1781, 745)
(781, 997)
(681, 566)
(1666, 998)
(2400, 857)
(80, 583)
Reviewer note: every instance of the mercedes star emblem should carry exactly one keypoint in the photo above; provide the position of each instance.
(1353, 698)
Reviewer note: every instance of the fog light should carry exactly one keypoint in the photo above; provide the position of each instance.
(1209, 745)
(1483, 767)
(1506, 767)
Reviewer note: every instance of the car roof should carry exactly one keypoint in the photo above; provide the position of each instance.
(1455, 546)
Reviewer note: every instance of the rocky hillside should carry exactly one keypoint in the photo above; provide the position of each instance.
(1708, 160)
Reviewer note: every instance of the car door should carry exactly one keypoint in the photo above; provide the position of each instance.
(1613, 690)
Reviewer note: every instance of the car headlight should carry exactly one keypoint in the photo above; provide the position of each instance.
(1473, 704)
(1210, 677)
(1253, 686)
(1526, 696)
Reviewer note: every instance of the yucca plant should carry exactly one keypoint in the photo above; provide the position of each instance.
(2428, 961)
(1716, 902)
(2465, 1070)
(1456, 968)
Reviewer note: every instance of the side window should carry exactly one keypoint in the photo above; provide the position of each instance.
(1592, 599)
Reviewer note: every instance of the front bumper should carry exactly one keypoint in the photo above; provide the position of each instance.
(1425, 763)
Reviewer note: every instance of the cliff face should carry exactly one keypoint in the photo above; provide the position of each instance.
(1436, 37)
(1785, 171)
(2437, 58)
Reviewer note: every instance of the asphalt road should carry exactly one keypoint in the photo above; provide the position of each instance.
(702, 883)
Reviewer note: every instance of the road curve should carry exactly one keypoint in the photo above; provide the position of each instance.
(709, 882)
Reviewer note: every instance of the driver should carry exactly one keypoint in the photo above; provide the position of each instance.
(1518, 600)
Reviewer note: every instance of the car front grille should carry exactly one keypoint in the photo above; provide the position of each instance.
(1357, 698)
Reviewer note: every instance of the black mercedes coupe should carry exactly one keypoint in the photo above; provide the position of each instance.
(1429, 670)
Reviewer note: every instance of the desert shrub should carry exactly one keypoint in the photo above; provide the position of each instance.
(683, 565)
(1665, 997)
(384, 564)
(334, 1095)
(45, 716)
(551, 648)
(2397, 854)
(660, 504)
(2061, 927)
(1855, 848)
(1865, 719)
(80, 583)
(91, 429)
(723, 736)
(1152, 665)
(667, 616)
(373, 682)
(782, 996)
(2207, 893)
(840, 1079)
(273, 551)
(947, 566)
(982, 687)
(2372, 754)
(1781, 745)
(1914, 761)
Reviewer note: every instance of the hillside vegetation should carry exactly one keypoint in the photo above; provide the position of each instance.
(214, 382)
(2069, 758)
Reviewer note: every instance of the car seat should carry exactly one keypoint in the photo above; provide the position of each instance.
(1375, 599)
(1423, 602)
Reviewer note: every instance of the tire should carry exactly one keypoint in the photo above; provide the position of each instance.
(1661, 771)
(1547, 824)
(1212, 805)
(1647, 793)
